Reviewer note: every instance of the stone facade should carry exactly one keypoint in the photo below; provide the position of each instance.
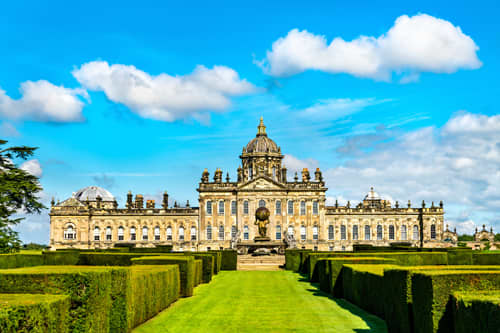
(225, 216)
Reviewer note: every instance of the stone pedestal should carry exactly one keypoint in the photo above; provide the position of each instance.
(261, 239)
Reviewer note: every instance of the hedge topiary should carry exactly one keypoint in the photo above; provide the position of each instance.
(186, 269)
(486, 258)
(110, 259)
(89, 289)
(51, 258)
(217, 260)
(208, 265)
(229, 260)
(34, 313)
(476, 312)
(460, 257)
(198, 271)
(20, 260)
(431, 294)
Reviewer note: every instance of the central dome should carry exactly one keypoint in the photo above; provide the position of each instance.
(92, 192)
(261, 143)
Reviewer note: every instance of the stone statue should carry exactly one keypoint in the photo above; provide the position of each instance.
(262, 219)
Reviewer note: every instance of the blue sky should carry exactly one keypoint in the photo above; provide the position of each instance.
(143, 98)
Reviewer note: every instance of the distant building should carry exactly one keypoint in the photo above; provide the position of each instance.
(225, 216)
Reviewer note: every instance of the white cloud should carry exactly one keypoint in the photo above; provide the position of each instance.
(8, 130)
(165, 97)
(335, 108)
(420, 43)
(43, 101)
(33, 167)
(294, 165)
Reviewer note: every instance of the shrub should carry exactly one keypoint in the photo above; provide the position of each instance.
(198, 271)
(20, 260)
(208, 265)
(364, 286)
(476, 312)
(229, 260)
(89, 289)
(157, 249)
(110, 259)
(217, 260)
(460, 257)
(186, 269)
(431, 292)
(330, 271)
(61, 257)
(34, 313)
(486, 258)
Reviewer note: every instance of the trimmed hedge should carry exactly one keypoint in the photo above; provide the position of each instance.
(460, 257)
(431, 294)
(217, 260)
(198, 271)
(34, 313)
(52, 258)
(20, 260)
(476, 312)
(364, 286)
(158, 249)
(208, 265)
(89, 289)
(186, 268)
(110, 259)
(151, 289)
(486, 258)
(229, 260)
(330, 271)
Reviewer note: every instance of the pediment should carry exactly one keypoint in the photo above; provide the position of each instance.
(261, 183)
(71, 202)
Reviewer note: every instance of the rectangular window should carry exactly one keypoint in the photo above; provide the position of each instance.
(169, 234)
(278, 232)
(209, 207)
(233, 207)
(302, 208)
(415, 233)
(221, 233)
(193, 233)
(433, 231)
(330, 232)
(233, 231)
(245, 207)
(315, 208)
(209, 233)
(221, 207)
(303, 233)
(181, 234)
(108, 237)
(245, 232)
(157, 233)
(120, 237)
(290, 207)
(132, 234)
(403, 232)
(379, 232)
(367, 232)
(315, 233)
(343, 233)
(391, 232)
(96, 237)
(278, 207)
(355, 232)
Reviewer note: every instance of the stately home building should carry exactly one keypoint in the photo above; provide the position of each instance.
(225, 218)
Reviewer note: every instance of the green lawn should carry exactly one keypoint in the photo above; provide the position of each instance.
(256, 301)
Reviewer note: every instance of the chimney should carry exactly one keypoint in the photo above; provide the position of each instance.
(139, 201)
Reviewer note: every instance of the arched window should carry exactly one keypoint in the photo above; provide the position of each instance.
(343, 234)
(330, 232)
(234, 231)
(108, 233)
(121, 234)
(379, 232)
(157, 233)
(415, 232)
(193, 233)
(250, 172)
(278, 207)
(169, 233)
(290, 231)
(209, 232)
(315, 232)
(245, 207)
(315, 208)
(69, 232)
(181, 233)
(221, 207)
(290, 207)
(97, 234)
(403, 232)
(209, 207)
(274, 172)
(245, 233)
(262, 203)
(221, 232)
(433, 231)
(302, 232)
(302, 208)
(355, 235)
(132, 234)
(367, 232)
(278, 232)
(391, 232)
(144, 233)
(233, 207)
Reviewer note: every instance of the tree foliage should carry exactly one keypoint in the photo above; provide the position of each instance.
(466, 238)
(18, 194)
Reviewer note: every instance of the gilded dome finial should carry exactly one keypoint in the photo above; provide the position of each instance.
(261, 128)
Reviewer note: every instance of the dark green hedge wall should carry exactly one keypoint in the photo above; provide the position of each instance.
(186, 269)
(486, 258)
(229, 260)
(431, 294)
(476, 312)
(217, 260)
(34, 313)
(61, 257)
(460, 257)
(198, 271)
(20, 260)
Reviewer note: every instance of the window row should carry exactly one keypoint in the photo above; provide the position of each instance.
(69, 234)
(404, 232)
(262, 203)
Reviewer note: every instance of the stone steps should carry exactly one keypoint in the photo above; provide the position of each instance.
(260, 263)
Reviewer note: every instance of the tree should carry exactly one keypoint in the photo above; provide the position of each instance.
(466, 238)
(497, 237)
(18, 193)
